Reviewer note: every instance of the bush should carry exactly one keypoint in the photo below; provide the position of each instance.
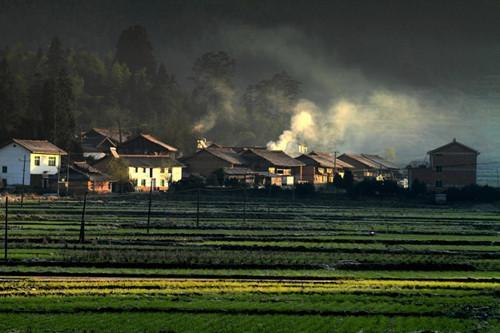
(305, 190)
(188, 183)
(372, 187)
(418, 187)
(474, 193)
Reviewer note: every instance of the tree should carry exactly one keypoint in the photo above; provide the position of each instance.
(268, 103)
(215, 97)
(338, 181)
(134, 50)
(118, 170)
(56, 106)
(56, 58)
(348, 180)
(8, 107)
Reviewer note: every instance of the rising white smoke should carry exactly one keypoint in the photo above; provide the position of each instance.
(223, 110)
(376, 123)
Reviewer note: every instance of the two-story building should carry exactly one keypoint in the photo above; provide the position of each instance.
(143, 171)
(146, 144)
(208, 160)
(29, 162)
(371, 166)
(320, 168)
(96, 142)
(451, 165)
(275, 167)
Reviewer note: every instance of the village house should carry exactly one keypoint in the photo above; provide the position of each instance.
(320, 168)
(96, 142)
(274, 167)
(451, 165)
(145, 172)
(371, 166)
(82, 178)
(208, 160)
(145, 144)
(29, 163)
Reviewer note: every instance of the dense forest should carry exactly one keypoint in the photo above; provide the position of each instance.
(57, 92)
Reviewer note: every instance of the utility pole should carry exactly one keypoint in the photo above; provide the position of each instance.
(24, 172)
(67, 174)
(149, 204)
(198, 209)
(244, 204)
(335, 163)
(5, 236)
(82, 225)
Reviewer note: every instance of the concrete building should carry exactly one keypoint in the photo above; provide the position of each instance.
(451, 165)
(39, 159)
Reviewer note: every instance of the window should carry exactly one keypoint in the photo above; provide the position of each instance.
(439, 168)
(4, 169)
(143, 182)
(162, 182)
(439, 183)
(143, 170)
(162, 170)
(52, 161)
(37, 160)
(136, 170)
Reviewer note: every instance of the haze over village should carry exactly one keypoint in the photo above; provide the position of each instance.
(250, 166)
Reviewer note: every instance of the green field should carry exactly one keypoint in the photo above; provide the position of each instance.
(260, 265)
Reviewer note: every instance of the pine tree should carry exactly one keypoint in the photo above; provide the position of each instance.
(8, 108)
(134, 49)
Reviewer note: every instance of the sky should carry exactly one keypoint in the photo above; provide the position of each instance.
(377, 76)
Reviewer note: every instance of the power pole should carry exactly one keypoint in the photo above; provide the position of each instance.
(5, 236)
(82, 225)
(149, 204)
(24, 172)
(67, 174)
(244, 204)
(198, 209)
(335, 162)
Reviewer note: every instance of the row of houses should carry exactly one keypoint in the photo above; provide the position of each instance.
(144, 163)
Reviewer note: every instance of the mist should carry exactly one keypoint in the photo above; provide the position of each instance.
(372, 80)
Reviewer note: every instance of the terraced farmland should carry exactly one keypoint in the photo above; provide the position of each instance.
(250, 265)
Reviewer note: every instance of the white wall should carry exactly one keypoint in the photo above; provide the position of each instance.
(176, 174)
(44, 164)
(12, 157)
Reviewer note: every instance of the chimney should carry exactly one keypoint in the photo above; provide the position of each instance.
(114, 153)
(303, 148)
(201, 143)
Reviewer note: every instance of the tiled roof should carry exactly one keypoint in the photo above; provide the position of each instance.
(112, 133)
(371, 161)
(157, 141)
(40, 146)
(276, 157)
(381, 161)
(226, 154)
(454, 142)
(88, 172)
(327, 160)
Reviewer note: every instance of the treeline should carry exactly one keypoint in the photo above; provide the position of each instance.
(56, 93)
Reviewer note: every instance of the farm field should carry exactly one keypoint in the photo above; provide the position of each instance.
(249, 265)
